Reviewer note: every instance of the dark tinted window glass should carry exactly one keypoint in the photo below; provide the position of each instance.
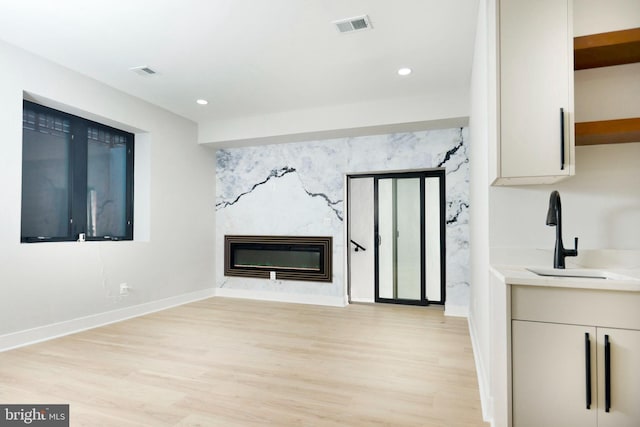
(45, 175)
(106, 183)
(77, 178)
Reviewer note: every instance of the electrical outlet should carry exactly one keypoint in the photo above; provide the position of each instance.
(124, 289)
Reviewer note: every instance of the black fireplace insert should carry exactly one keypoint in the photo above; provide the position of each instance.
(288, 257)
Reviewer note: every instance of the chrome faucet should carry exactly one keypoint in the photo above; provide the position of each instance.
(554, 218)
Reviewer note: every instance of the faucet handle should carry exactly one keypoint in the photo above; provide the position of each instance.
(572, 252)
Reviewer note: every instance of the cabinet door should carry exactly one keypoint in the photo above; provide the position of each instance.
(536, 82)
(549, 375)
(623, 378)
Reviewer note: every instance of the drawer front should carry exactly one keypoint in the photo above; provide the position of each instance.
(611, 309)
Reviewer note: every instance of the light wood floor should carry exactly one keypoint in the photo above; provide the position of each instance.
(225, 362)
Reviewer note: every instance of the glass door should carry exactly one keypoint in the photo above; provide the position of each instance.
(409, 246)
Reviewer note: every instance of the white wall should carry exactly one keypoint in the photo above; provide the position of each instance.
(608, 93)
(482, 118)
(600, 205)
(445, 109)
(173, 251)
(597, 16)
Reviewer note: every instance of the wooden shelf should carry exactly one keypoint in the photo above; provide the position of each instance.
(606, 49)
(608, 132)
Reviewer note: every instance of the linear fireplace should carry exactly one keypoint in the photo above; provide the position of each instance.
(290, 257)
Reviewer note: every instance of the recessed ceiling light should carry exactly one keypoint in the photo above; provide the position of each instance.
(202, 101)
(404, 71)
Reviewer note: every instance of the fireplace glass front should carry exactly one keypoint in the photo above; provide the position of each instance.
(289, 257)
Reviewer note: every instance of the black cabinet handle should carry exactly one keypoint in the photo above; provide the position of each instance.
(587, 364)
(607, 374)
(562, 139)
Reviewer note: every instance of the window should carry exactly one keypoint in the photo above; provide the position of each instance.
(77, 178)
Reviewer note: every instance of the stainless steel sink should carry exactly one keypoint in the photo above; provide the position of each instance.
(589, 273)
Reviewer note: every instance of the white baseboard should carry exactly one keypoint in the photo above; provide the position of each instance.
(55, 330)
(456, 310)
(282, 297)
(362, 300)
(486, 401)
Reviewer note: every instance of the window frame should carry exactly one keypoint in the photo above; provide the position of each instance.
(78, 178)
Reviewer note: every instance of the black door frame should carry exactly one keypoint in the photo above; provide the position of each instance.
(427, 173)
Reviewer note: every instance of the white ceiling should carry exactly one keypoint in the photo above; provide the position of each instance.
(251, 57)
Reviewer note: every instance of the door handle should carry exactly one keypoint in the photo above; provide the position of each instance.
(561, 138)
(607, 374)
(587, 364)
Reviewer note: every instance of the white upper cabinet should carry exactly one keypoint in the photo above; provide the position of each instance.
(535, 92)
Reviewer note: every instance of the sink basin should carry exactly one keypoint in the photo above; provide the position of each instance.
(589, 273)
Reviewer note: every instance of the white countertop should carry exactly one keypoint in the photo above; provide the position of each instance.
(519, 275)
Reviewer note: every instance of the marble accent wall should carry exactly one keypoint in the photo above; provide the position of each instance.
(298, 189)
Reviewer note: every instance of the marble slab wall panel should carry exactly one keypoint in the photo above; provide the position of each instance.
(298, 189)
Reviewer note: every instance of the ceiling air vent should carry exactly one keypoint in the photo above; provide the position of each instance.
(356, 23)
(143, 70)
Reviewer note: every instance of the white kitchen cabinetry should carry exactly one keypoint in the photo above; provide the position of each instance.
(548, 375)
(575, 357)
(624, 376)
(535, 132)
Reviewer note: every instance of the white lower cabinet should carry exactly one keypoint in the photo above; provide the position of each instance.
(549, 376)
(566, 375)
(623, 406)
